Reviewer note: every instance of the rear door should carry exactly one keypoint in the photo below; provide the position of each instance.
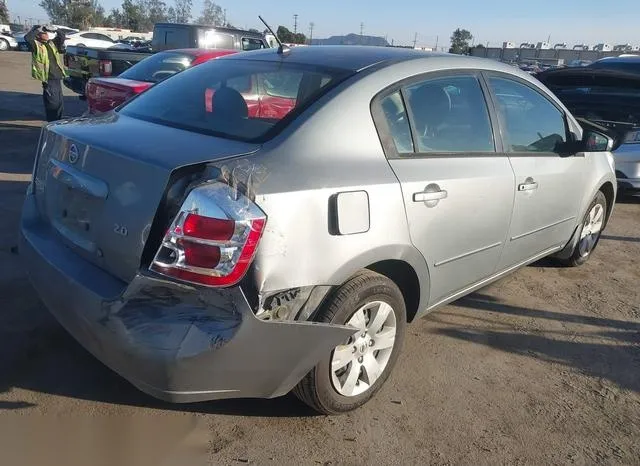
(457, 185)
(548, 184)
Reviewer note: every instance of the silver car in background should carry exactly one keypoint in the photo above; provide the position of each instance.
(270, 221)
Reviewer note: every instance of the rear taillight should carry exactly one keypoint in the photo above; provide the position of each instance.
(213, 239)
(105, 67)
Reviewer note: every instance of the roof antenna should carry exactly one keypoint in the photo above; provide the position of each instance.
(282, 49)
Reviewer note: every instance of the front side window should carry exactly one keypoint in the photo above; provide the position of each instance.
(220, 97)
(216, 40)
(531, 122)
(449, 114)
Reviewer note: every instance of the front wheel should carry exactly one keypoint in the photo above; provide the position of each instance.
(590, 231)
(4, 45)
(355, 370)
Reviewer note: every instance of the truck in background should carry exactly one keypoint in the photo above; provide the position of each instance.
(84, 63)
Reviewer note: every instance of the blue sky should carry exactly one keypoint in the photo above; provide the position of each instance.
(494, 21)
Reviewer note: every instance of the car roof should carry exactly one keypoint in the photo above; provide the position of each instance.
(626, 59)
(217, 28)
(347, 57)
(202, 52)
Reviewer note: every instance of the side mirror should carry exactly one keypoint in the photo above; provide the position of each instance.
(594, 141)
(597, 138)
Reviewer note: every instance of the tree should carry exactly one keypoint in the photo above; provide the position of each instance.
(460, 41)
(288, 37)
(211, 15)
(182, 11)
(156, 12)
(74, 13)
(115, 19)
(133, 16)
(4, 12)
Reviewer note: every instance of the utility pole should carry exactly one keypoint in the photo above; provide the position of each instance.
(224, 17)
(311, 25)
(437, 37)
(415, 40)
(361, 29)
(295, 24)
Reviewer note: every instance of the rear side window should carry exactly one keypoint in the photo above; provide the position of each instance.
(233, 98)
(172, 38)
(531, 122)
(395, 114)
(449, 114)
(158, 67)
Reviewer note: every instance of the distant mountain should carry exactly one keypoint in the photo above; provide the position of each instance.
(352, 39)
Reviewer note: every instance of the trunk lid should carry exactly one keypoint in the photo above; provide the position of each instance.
(99, 182)
(105, 94)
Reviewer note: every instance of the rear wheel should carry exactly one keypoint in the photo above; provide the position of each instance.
(354, 371)
(590, 231)
(4, 45)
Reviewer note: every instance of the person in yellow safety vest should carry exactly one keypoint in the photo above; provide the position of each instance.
(47, 66)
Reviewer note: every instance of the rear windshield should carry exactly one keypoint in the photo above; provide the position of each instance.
(158, 67)
(238, 99)
(631, 66)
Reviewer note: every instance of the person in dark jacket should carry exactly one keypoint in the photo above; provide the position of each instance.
(47, 66)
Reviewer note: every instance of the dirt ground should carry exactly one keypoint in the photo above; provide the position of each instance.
(542, 367)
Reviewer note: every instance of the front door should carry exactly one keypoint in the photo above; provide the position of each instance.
(548, 183)
(458, 190)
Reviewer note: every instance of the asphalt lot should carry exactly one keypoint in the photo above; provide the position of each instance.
(542, 367)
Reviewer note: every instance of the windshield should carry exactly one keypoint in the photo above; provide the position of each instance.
(237, 99)
(158, 67)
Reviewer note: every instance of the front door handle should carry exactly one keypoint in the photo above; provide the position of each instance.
(528, 185)
(426, 196)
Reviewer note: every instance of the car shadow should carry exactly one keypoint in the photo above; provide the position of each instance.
(29, 106)
(615, 355)
(624, 198)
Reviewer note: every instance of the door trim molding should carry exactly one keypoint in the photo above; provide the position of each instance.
(492, 278)
(467, 254)
(538, 230)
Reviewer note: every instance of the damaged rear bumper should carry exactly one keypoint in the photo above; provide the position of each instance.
(175, 342)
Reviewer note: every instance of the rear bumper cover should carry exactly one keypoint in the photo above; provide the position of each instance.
(175, 342)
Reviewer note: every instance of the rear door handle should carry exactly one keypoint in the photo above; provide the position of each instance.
(426, 196)
(528, 185)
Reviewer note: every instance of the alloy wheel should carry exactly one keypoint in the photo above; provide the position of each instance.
(591, 230)
(358, 363)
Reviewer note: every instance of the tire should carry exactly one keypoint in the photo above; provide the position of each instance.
(4, 45)
(321, 387)
(587, 244)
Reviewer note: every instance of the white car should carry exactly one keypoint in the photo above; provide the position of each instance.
(7, 42)
(89, 39)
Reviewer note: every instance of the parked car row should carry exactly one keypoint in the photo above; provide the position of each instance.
(270, 221)
(606, 92)
(85, 62)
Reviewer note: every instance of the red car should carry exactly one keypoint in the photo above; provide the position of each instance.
(105, 94)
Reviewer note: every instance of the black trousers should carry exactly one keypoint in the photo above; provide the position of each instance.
(53, 103)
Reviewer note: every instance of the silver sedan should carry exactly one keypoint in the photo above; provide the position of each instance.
(271, 221)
